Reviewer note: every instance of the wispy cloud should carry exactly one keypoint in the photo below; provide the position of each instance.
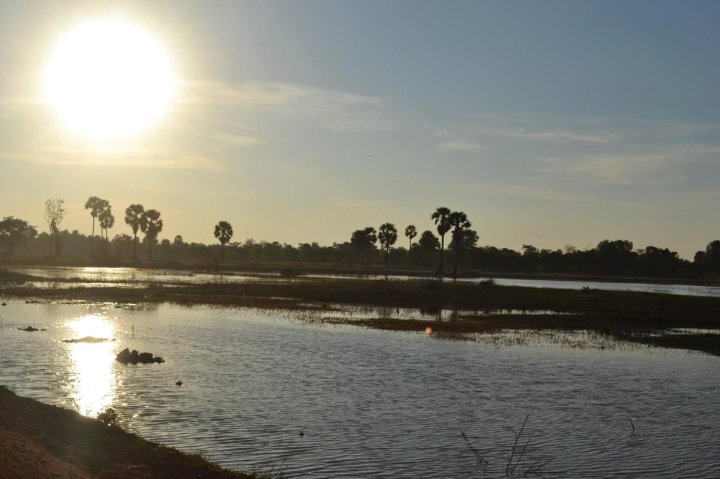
(544, 194)
(118, 159)
(326, 108)
(461, 145)
(241, 141)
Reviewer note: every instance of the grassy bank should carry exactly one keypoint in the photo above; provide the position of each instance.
(630, 316)
(37, 440)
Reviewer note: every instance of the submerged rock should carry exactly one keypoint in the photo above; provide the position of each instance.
(127, 357)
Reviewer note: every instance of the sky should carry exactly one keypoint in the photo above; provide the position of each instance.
(548, 123)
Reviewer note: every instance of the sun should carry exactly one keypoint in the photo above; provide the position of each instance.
(108, 78)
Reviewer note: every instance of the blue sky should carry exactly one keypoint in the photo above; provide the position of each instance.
(549, 123)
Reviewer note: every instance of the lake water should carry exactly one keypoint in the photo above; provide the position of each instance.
(99, 276)
(267, 390)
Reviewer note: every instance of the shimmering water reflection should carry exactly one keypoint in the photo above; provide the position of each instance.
(92, 376)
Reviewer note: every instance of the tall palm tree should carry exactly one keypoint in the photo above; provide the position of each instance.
(107, 221)
(387, 235)
(223, 233)
(151, 225)
(410, 232)
(133, 218)
(441, 219)
(96, 206)
(459, 223)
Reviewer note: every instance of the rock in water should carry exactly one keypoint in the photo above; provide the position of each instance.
(127, 357)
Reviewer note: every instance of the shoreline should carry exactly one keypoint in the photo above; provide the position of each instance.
(39, 440)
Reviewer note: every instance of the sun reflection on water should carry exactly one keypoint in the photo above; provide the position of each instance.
(93, 381)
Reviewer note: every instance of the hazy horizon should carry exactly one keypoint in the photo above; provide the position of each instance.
(552, 124)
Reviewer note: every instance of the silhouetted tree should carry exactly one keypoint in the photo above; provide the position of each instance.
(441, 218)
(711, 258)
(387, 235)
(14, 231)
(178, 241)
(659, 261)
(133, 218)
(616, 256)
(410, 232)
(54, 214)
(96, 206)
(151, 225)
(107, 221)
(428, 241)
(458, 222)
(364, 242)
(223, 233)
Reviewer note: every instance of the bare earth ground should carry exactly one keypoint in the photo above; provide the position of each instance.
(41, 441)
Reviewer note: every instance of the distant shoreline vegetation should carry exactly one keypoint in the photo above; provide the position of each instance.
(21, 243)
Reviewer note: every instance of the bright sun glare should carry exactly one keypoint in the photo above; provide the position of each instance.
(108, 79)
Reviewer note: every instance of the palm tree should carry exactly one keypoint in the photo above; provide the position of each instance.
(151, 225)
(133, 218)
(440, 217)
(107, 221)
(96, 206)
(387, 235)
(223, 233)
(459, 222)
(410, 232)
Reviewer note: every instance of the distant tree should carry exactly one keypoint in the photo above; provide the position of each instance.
(711, 258)
(96, 206)
(441, 218)
(616, 256)
(387, 235)
(14, 231)
(54, 215)
(364, 242)
(107, 221)
(151, 225)
(178, 241)
(660, 261)
(459, 223)
(223, 233)
(428, 241)
(411, 233)
(468, 240)
(133, 218)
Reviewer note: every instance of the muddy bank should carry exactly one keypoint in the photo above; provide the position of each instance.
(37, 440)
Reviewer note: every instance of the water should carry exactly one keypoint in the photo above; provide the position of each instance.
(266, 390)
(120, 276)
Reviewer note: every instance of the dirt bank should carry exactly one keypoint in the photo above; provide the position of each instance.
(37, 440)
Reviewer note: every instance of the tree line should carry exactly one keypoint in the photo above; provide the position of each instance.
(366, 247)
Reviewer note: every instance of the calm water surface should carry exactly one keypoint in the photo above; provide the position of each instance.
(266, 390)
